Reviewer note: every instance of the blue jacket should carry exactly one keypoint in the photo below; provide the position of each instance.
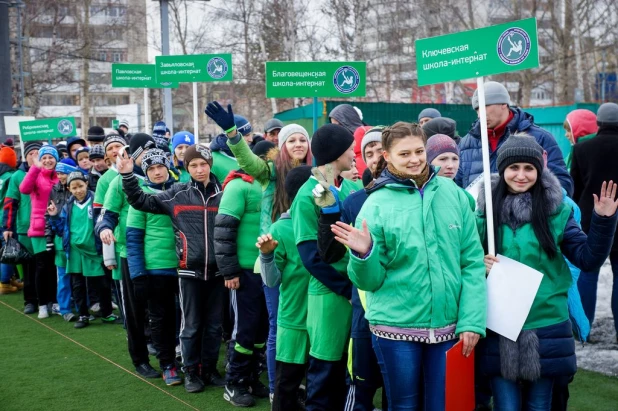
(471, 157)
(60, 224)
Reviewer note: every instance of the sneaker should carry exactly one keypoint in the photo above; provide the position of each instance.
(7, 289)
(146, 371)
(257, 389)
(91, 318)
(69, 317)
(43, 313)
(55, 309)
(112, 319)
(82, 322)
(238, 395)
(271, 397)
(29, 309)
(213, 378)
(151, 349)
(19, 284)
(170, 376)
(114, 306)
(193, 382)
(95, 308)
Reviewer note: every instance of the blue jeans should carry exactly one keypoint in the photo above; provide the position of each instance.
(272, 305)
(6, 272)
(587, 285)
(63, 291)
(404, 363)
(516, 396)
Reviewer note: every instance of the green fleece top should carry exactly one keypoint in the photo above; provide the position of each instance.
(184, 176)
(263, 171)
(425, 268)
(103, 186)
(158, 236)
(294, 276)
(305, 216)
(550, 304)
(24, 207)
(242, 200)
(222, 164)
(4, 187)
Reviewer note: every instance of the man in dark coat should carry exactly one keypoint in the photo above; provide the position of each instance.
(594, 161)
(504, 120)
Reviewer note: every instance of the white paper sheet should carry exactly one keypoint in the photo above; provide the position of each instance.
(511, 288)
(475, 187)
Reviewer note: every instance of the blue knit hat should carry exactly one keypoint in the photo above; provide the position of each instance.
(66, 166)
(242, 125)
(82, 150)
(159, 129)
(182, 137)
(51, 150)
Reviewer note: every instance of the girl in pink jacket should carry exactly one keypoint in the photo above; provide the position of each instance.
(38, 184)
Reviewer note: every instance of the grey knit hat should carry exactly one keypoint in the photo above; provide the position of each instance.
(495, 93)
(290, 129)
(372, 135)
(429, 113)
(440, 125)
(520, 148)
(76, 175)
(607, 115)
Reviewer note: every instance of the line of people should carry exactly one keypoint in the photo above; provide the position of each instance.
(339, 288)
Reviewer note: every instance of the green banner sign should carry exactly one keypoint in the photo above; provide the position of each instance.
(115, 124)
(287, 79)
(194, 68)
(138, 76)
(44, 129)
(491, 50)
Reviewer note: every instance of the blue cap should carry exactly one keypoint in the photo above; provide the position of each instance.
(51, 150)
(66, 166)
(159, 129)
(242, 125)
(182, 137)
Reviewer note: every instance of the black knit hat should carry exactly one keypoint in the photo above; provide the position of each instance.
(520, 148)
(152, 157)
(440, 125)
(295, 179)
(139, 143)
(262, 148)
(35, 145)
(96, 134)
(97, 152)
(329, 142)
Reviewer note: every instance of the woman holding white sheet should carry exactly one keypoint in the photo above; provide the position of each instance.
(535, 227)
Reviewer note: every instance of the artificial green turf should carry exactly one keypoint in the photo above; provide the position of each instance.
(41, 370)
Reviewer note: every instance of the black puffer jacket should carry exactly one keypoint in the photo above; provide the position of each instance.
(192, 208)
(93, 179)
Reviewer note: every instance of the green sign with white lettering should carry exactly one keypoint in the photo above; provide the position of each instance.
(47, 128)
(115, 124)
(138, 76)
(290, 79)
(194, 68)
(512, 46)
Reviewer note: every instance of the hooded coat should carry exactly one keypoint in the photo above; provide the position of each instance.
(38, 183)
(347, 117)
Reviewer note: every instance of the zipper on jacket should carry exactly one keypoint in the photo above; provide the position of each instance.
(205, 202)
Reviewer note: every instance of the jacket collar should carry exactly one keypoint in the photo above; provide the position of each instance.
(162, 186)
(388, 179)
(521, 121)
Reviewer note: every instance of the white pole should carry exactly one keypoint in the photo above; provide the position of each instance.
(196, 131)
(147, 111)
(489, 208)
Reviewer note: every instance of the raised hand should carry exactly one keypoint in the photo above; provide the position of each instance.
(266, 244)
(52, 210)
(124, 162)
(605, 205)
(353, 238)
(224, 119)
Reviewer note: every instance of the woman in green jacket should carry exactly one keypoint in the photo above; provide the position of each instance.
(294, 150)
(419, 258)
(535, 227)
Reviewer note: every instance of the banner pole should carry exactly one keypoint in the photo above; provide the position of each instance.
(146, 112)
(489, 209)
(196, 130)
(315, 114)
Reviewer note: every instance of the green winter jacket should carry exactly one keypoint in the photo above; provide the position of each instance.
(159, 240)
(222, 164)
(425, 268)
(4, 187)
(263, 171)
(22, 224)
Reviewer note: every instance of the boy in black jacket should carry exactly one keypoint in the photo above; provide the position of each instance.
(192, 207)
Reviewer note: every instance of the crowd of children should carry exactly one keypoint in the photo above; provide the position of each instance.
(340, 263)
